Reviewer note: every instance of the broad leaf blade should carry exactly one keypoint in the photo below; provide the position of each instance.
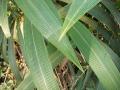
(114, 56)
(96, 55)
(100, 86)
(38, 62)
(48, 24)
(55, 56)
(4, 18)
(77, 9)
(26, 84)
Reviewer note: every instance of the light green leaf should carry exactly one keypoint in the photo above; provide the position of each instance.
(4, 18)
(55, 56)
(100, 86)
(66, 1)
(26, 84)
(12, 60)
(49, 24)
(94, 25)
(96, 55)
(77, 9)
(37, 58)
(97, 12)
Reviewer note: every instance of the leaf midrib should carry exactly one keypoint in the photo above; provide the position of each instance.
(95, 55)
(42, 74)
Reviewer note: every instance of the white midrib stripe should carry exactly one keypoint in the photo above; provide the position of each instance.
(48, 24)
(77, 11)
(44, 81)
(97, 57)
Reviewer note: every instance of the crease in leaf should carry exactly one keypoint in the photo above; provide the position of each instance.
(77, 9)
(104, 17)
(26, 84)
(12, 60)
(96, 55)
(37, 58)
(112, 8)
(49, 25)
(4, 18)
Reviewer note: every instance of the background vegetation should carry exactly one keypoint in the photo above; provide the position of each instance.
(59, 44)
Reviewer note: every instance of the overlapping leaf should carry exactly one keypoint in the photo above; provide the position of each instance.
(37, 58)
(112, 8)
(92, 23)
(96, 55)
(12, 60)
(44, 17)
(26, 84)
(77, 9)
(114, 56)
(4, 18)
(104, 17)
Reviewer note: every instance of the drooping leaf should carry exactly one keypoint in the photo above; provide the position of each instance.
(77, 9)
(96, 55)
(49, 24)
(4, 18)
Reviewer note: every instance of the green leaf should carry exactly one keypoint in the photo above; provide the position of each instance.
(12, 60)
(94, 25)
(1, 37)
(100, 86)
(79, 84)
(49, 24)
(37, 58)
(104, 17)
(114, 56)
(77, 9)
(87, 78)
(55, 56)
(112, 8)
(66, 1)
(26, 84)
(4, 49)
(4, 18)
(96, 55)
